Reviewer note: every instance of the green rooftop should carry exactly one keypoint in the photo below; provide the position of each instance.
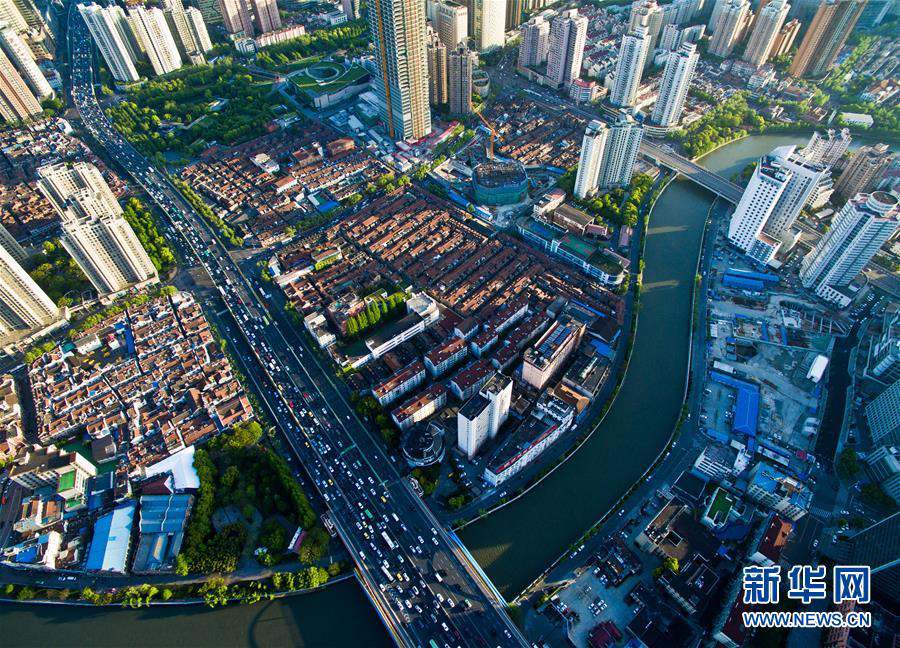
(605, 262)
(577, 246)
(66, 481)
(720, 507)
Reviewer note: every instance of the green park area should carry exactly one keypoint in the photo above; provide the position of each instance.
(183, 112)
(58, 274)
(349, 39)
(618, 207)
(65, 283)
(730, 120)
(324, 77)
(247, 509)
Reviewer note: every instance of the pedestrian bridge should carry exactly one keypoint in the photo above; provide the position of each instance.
(715, 183)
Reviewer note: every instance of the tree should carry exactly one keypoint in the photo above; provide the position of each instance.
(243, 435)
(848, 463)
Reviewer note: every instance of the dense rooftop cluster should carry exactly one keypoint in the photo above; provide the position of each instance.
(281, 179)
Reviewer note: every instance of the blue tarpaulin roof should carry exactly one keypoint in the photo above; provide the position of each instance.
(742, 283)
(746, 403)
(749, 274)
(602, 348)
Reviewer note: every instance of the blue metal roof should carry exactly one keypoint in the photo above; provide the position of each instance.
(746, 403)
(112, 537)
(602, 348)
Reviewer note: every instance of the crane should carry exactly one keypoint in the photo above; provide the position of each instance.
(493, 132)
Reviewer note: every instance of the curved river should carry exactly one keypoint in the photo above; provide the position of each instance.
(517, 542)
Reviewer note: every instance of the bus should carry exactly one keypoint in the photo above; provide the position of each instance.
(368, 514)
(387, 574)
(432, 643)
(388, 541)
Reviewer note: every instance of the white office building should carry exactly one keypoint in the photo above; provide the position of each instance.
(729, 27)
(859, 230)
(805, 177)
(827, 149)
(111, 32)
(481, 416)
(757, 202)
(451, 22)
(621, 151)
(535, 43)
(20, 55)
(567, 36)
(647, 13)
(11, 245)
(95, 233)
(488, 19)
(629, 68)
(198, 29)
(768, 24)
(24, 308)
(673, 89)
(12, 16)
(592, 148)
(153, 31)
(883, 416)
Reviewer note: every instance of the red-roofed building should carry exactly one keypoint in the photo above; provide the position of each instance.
(773, 541)
(447, 354)
(401, 382)
(420, 407)
(470, 378)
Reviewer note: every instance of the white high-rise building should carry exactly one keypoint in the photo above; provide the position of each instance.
(95, 233)
(198, 29)
(647, 13)
(629, 68)
(718, 8)
(20, 54)
(766, 185)
(674, 37)
(729, 28)
(621, 151)
(12, 16)
(805, 177)
(109, 28)
(17, 102)
(451, 21)
(153, 31)
(397, 28)
(535, 42)
(236, 17)
(181, 29)
(488, 18)
(768, 24)
(11, 245)
(351, 9)
(24, 307)
(673, 89)
(481, 416)
(265, 14)
(567, 35)
(592, 148)
(859, 230)
(829, 149)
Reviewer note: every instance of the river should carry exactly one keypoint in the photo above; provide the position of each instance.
(514, 544)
